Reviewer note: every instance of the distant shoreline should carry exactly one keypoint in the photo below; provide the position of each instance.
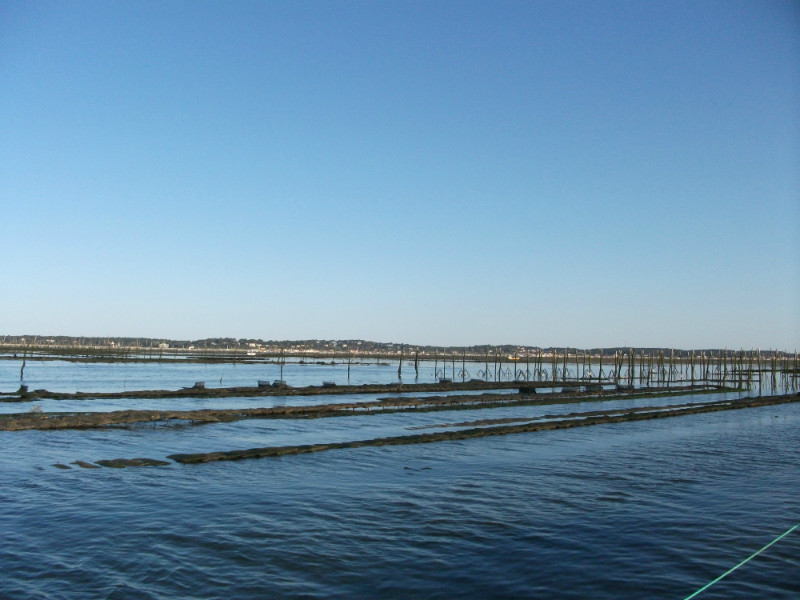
(124, 348)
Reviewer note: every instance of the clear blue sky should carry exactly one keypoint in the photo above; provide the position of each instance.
(450, 173)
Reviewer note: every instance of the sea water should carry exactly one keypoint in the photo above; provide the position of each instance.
(649, 509)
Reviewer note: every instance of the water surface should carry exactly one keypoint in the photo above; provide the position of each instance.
(652, 509)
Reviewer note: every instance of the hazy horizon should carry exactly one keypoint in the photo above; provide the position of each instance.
(345, 343)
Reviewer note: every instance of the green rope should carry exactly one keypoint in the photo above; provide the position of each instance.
(729, 571)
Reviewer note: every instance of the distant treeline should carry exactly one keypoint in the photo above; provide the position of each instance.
(337, 346)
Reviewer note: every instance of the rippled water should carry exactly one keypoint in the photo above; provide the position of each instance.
(651, 509)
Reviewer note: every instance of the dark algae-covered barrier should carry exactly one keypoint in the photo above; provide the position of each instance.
(573, 420)
(89, 420)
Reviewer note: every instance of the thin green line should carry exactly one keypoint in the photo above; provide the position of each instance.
(729, 571)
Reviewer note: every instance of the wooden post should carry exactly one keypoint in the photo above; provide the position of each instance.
(600, 371)
(725, 367)
(631, 366)
(758, 357)
(400, 366)
(540, 364)
(527, 365)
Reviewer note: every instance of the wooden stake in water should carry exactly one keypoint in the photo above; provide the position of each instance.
(641, 367)
(631, 366)
(400, 366)
(758, 357)
(527, 365)
(725, 367)
(588, 358)
(600, 372)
